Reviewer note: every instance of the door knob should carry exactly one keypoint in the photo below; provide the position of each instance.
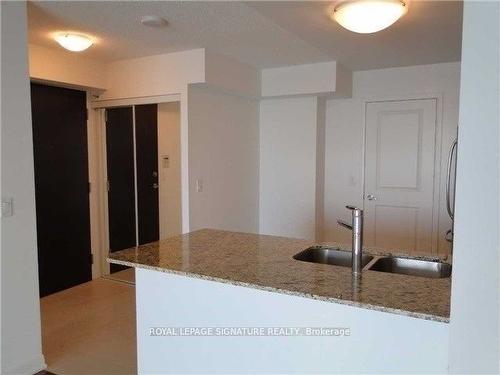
(371, 197)
(155, 186)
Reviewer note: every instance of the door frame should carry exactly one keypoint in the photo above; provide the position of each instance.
(436, 195)
(99, 109)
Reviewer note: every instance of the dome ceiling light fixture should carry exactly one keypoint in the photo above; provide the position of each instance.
(367, 16)
(74, 42)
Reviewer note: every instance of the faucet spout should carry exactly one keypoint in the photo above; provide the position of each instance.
(357, 237)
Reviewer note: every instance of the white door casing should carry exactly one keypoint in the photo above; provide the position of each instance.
(400, 148)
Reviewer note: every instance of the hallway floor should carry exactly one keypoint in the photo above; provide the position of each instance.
(90, 329)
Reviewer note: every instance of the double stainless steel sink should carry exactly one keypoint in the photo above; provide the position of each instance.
(390, 264)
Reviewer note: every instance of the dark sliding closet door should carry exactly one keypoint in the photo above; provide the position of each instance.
(146, 135)
(121, 180)
(121, 176)
(61, 187)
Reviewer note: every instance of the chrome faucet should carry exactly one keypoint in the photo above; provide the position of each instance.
(357, 237)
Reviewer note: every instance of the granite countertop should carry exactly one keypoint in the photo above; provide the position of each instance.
(265, 262)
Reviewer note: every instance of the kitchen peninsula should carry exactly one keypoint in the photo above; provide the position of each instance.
(209, 281)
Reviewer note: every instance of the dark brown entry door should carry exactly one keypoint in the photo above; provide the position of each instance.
(146, 135)
(121, 177)
(61, 187)
(121, 180)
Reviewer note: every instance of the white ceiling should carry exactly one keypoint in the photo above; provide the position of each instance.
(431, 32)
(263, 34)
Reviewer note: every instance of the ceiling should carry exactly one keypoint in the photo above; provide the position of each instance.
(260, 33)
(431, 32)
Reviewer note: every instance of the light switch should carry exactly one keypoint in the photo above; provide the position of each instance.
(199, 186)
(7, 207)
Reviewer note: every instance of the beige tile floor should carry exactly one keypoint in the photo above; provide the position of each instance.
(90, 329)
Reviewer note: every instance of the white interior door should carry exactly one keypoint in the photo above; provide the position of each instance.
(399, 175)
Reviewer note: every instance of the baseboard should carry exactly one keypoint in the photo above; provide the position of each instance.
(28, 367)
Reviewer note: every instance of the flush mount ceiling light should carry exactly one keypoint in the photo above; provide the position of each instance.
(368, 16)
(153, 21)
(73, 42)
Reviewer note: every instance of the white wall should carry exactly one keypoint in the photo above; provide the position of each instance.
(63, 67)
(308, 79)
(231, 76)
(21, 334)
(345, 128)
(169, 144)
(154, 75)
(288, 152)
(475, 293)
(224, 155)
(379, 342)
(132, 78)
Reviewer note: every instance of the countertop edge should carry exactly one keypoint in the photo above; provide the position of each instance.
(417, 315)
